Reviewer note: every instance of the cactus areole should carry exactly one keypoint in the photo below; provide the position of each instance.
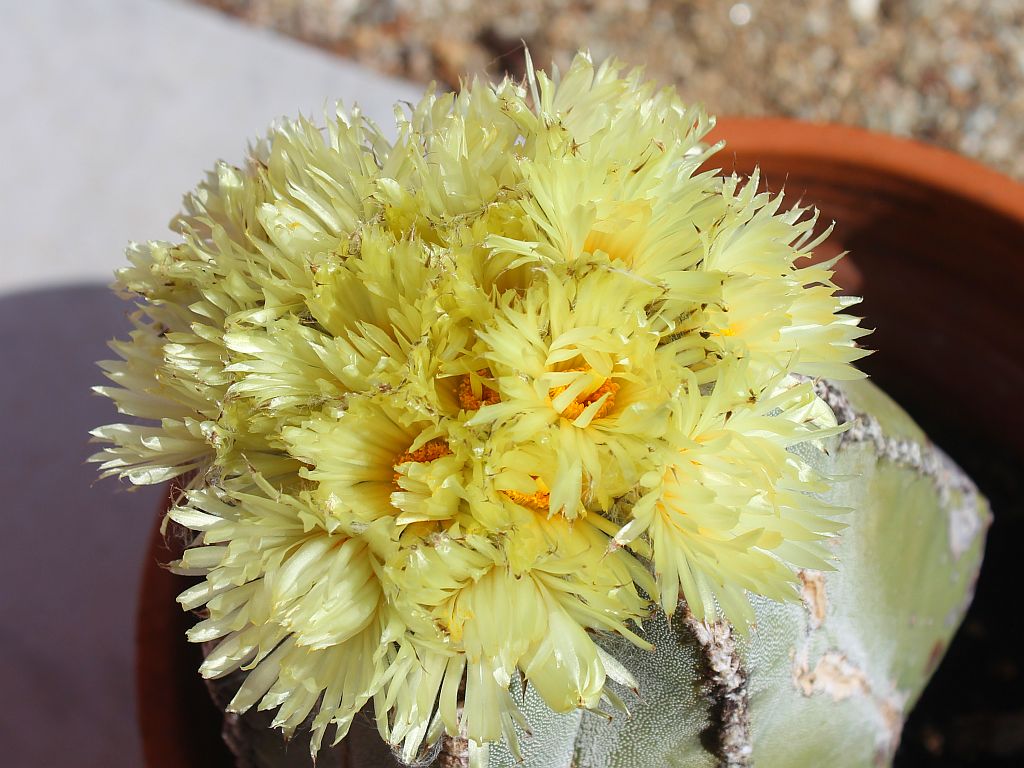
(536, 440)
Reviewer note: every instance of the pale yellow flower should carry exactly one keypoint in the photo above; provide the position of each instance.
(450, 406)
(374, 460)
(291, 597)
(524, 602)
(581, 390)
(731, 510)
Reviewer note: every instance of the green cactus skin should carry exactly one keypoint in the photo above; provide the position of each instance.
(824, 682)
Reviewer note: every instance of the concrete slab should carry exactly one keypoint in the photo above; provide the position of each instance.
(114, 108)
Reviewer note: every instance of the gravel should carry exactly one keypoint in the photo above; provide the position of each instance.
(948, 72)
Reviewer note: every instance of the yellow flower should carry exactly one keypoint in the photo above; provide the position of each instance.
(523, 602)
(451, 405)
(731, 512)
(581, 392)
(774, 313)
(374, 460)
(291, 597)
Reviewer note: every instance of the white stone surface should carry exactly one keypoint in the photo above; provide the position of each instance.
(112, 109)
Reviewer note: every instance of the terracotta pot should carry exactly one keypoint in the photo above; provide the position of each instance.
(936, 241)
(935, 244)
(179, 723)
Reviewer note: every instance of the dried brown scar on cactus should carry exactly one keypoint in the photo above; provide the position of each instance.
(837, 677)
(834, 675)
(812, 591)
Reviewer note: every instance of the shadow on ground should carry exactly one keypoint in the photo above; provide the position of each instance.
(72, 549)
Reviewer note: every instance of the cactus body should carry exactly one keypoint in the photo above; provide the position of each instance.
(827, 681)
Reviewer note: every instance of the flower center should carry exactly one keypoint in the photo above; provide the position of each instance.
(468, 399)
(580, 403)
(539, 500)
(429, 451)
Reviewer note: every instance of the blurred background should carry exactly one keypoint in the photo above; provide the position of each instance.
(947, 72)
(114, 108)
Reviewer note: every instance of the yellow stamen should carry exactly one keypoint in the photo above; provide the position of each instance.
(468, 399)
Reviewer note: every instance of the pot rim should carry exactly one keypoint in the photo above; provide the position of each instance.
(839, 144)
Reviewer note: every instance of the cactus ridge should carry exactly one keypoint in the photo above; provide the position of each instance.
(958, 495)
(722, 666)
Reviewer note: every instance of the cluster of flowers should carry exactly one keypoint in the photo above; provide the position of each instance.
(450, 406)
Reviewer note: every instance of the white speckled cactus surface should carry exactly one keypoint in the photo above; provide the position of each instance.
(528, 438)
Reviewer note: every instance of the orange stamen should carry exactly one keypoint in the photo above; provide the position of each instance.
(468, 400)
(429, 451)
(577, 406)
(539, 501)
